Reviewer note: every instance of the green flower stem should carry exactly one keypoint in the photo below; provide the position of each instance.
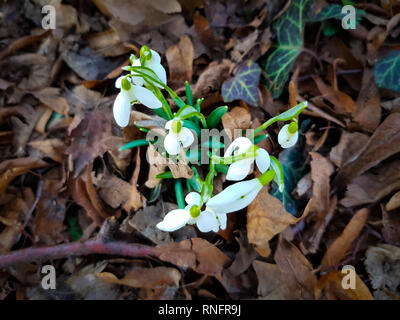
(179, 194)
(223, 168)
(165, 106)
(285, 116)
(133, 144)
(259, 138)
(251, 153)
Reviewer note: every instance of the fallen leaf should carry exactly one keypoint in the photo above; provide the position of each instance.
(339, 248)
(52, 148)
(266, 217)
(349, 147)
(373, 185)
(394, 202)
(297, 271)
(180, 62)
(88, 133)
(196, 253)
(390, 226)
(271, 285)
(107, 43)
(382, 144)
(383, 266)
(151, 278)
(331, 284)
(52, 98)
(236, 119)
(321, 170)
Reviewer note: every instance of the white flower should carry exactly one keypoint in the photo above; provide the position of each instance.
(206, 221)
(240, 169)
(129, 94)
(288, 135)
(177, 134)
(236, 196)
(153, 63)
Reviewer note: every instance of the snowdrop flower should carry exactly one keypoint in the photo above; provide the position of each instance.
(206, 221)
(128, 95)
(236, 196)
(288, 135)
(152, 60)
(240, 169)
(177, 134)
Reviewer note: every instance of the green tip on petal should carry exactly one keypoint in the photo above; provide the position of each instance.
(145, 53)
(195, 211)
(126, 85)
(176, 127)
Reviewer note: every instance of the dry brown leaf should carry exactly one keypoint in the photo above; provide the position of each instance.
(349, 147)
(271, 285)
(297, 271)
(321, 170)
(343, 103)
(107, 43)
(136, 200)
(52, 98)
(394, 202)
(180, 62)
(383, 266)
(196, 253)
(237, 118)
(373, 185)
(89, 133)
(23, 42)
(382, 144)
(151, 278)
(331, 284)
(266, 217)
(52, 148)
(339, 248)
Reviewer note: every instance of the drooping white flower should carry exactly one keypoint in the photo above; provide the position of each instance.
(128, 95)
(240, 169)
(152, 60)
(177, 135)
(288, 135)
(206, 221)
(236, 196)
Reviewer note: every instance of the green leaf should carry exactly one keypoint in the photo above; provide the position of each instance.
(215, 116)
(293, 166)
(133, 144)
(289, 29)
(75, 231)
(329, 29)
(387, 71)
(243, 86)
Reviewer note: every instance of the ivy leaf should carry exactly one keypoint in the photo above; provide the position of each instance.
(292, 162)
(243, 86)
(387, 71)
(289, 29)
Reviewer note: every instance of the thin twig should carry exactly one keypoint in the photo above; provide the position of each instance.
(76, 249)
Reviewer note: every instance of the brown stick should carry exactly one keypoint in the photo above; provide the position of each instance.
(75, 249)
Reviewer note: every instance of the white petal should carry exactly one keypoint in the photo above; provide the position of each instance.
(223, 201)
(122, 109)
(262, 160)
(171, 144)
(222, 218)
(174, 220)
(155, 57)
(186, 137)
(286, 139)
(242, 144)
(118, 82)
(193, 198)
(160, 72)
(168, 125)
(239, 170)
(207, 221)
(146, 97)
(137, 80)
